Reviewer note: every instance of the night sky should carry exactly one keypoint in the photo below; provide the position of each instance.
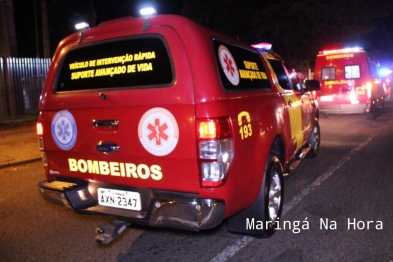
(63, 14)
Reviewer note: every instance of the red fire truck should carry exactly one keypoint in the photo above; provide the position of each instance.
(349, 81)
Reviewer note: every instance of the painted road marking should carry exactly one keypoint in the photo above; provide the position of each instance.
(232, 250)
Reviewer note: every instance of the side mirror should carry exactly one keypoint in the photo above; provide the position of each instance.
(312, 85)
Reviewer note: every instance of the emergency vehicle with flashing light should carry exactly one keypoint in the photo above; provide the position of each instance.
(162, 122)
(386, 78)
(349, 82)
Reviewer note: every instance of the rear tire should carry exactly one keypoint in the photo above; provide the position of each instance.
(273, 197)
(315, 140)
(261, 218)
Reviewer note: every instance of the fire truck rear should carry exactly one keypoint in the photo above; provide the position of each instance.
(349, 81)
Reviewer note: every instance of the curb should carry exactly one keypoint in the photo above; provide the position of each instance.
(20, 162)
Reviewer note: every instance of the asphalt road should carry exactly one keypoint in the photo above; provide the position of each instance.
(337, 207)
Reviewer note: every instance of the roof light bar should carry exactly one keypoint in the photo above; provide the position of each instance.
(344, 50)
(263, 45)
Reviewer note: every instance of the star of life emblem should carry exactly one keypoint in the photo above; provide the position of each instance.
(228, 65)
(158, 131)
(63, 129)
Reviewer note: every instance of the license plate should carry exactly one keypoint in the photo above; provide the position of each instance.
(119, 199)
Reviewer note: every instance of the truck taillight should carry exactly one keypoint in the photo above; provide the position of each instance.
(353, 97)
(369, 87)
(215, 150)
(39, 129)
(40, 133)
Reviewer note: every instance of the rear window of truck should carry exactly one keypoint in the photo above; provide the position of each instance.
(240, 69)
(135, 62)
(328, 73)
(352, 71)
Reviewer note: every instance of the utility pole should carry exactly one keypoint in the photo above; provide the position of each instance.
(92, 14)
(45, 33)
(44, 26)
(8, 46)
(37, 48)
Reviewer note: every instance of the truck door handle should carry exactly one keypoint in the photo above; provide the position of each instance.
(106, 123)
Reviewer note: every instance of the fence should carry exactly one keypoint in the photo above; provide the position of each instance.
(21, 82)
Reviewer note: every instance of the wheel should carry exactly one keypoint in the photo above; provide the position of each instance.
(315, 140)
(273, 195)
(390, 96)
(261, 218)
(375, 109)
(371, 114)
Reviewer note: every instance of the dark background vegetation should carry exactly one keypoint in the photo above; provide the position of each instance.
(298, 29)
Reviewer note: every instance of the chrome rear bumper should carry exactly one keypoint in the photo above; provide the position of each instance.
(159, 208)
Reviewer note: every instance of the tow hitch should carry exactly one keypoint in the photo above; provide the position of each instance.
(109, 232)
